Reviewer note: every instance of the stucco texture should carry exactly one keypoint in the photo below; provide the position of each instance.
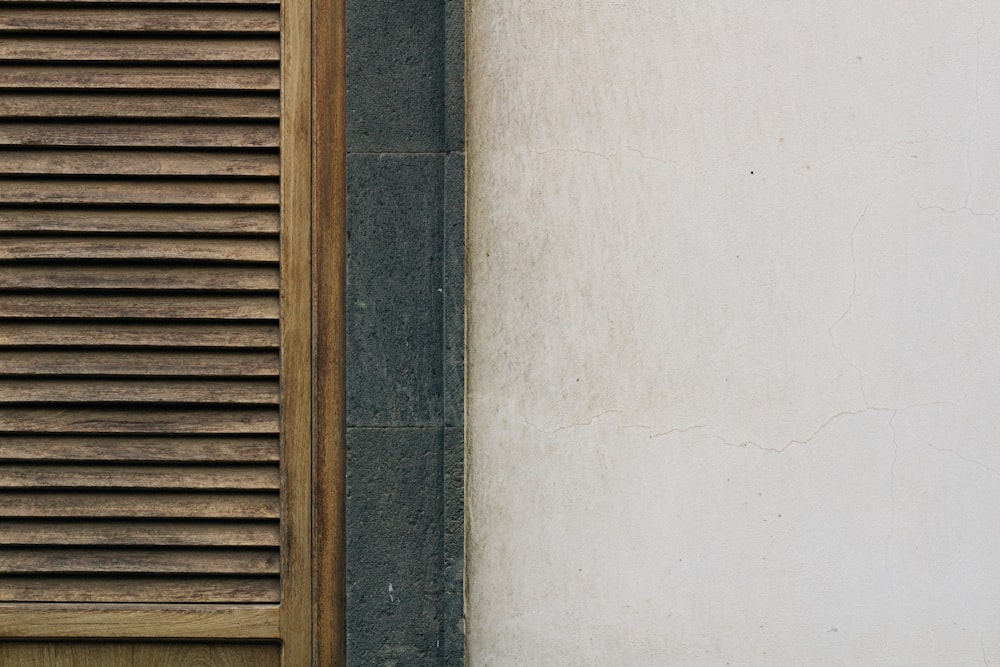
(733, 323)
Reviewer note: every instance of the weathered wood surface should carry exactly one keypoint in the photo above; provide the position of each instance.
(98, 476)
(138, 49)
(198, 193)
(179, 621)
(130, 334)
(152, 2)
(136, 105)
(107, 439)
(178, 363)
(149, 19)
(48, 276)
(90, 449)
(140, 533)
(28, 560)
(151, 306)
(96, 248)
(122, 588)
(152, 422)
(155, 221)
(32, 161)
(144, 504)
(329, 76)
(139, 134)
(74, 390)
(139, 654)
(138, 77)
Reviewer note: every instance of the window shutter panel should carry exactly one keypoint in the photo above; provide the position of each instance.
(140, 303)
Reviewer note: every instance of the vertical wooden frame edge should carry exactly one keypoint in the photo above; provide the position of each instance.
(295, 618)
(329, 352)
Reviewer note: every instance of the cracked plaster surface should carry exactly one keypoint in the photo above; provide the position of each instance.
(702, 236)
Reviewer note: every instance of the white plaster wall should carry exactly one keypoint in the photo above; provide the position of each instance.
(734, 380)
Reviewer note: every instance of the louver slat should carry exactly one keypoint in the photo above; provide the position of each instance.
(245, 477)
(138, 589)
(157, 505)
(94, 104)
(132, 3)
(158, 422)
(140, 135)
(154, 20)
(169, 221)
(200, 193)
(224, 392)
(131, 448)
(143, 561)
(140, 533)
(137, 163)
(147, 306)
(218, 335)
(139, 49)
(212, 250)
(137, 77)
(131, 277)
(139, 302)
(235, 363)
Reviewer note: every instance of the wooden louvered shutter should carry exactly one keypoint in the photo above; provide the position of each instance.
(155, 321)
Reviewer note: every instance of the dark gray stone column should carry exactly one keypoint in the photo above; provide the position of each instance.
(405, 328)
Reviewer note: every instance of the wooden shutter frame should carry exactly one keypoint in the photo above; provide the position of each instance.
(310, 620)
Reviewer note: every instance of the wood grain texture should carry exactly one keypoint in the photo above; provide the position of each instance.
(159, 422)
(64, 276)
(136, 134)
(143, 105)
(163, 363)
(140, 533)
(162, 221)
(28, 162)
(150, 2)
(190, 193)
(219, 655)
(151, 306)
(329, 240)
(202, 392)
(246, 622)
(139, 654)
(138, 49)
(121, 588)
(296, 620)
(139, 449)
(138, 77)
(151, 505)
(96, 476)
(151, 19)
(29, 560)
(123, 247)
(38, 288)
(63, 655)
(130, 334)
